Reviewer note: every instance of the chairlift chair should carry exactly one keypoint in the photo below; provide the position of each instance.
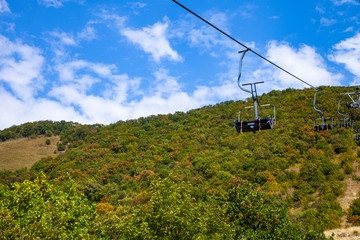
(322, 126)
(357, 137)
(355, 101)
(343, 122)
(259, 123)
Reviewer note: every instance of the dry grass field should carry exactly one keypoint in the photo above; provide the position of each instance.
(24, 152)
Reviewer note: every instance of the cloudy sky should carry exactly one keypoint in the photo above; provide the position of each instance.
(104, 61)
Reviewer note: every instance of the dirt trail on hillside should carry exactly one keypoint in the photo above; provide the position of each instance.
(351, 193)
(344, 233)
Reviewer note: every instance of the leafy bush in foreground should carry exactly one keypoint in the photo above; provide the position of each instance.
(38, 209)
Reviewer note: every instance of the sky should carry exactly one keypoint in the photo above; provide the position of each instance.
(91, 61)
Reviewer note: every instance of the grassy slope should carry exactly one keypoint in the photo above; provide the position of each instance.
(24, 152)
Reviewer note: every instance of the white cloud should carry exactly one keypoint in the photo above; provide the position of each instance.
(164, 96)
(4, 7)
(348, 52)
(118, 20)
(67, 70)
(169, 97)
(341, 2)
(80, 76)
(77, 79)
(20, 80)
(87, 34)
(320, 9)
(121, 98)
(114, 104)
(90, 92)
(15, 111)
(20, 67)
(153, 40)
(204, 36)
(349, 29)
(209, 41)
(219, 19)
(57, 3)
(120, 88)
(51, 3)
(71, 97)
(138, 5)
(165, 84)
(304, 63)
(9, 27)
(327, 22)
(152, 105)
(60, 41)
(94, 109)
(176, 101)
(64, 38)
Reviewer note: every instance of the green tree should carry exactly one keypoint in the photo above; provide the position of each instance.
(255, 215)
(354, 212)
(38, 209)
(60, 147)
(171, 213)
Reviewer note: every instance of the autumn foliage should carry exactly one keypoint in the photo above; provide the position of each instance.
(187, 176)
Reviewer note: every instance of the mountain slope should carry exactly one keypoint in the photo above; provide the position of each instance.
(116, 164)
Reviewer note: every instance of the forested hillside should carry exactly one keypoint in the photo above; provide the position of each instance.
(189, 175)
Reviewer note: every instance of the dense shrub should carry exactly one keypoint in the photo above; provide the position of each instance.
(38, 209)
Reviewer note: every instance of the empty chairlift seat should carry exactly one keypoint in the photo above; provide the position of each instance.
(323, 127)
(255, 125)
(346, 124)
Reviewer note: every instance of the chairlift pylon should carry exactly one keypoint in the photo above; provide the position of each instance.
(259, 123)
(322, 126)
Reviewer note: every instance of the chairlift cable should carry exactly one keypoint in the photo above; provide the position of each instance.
(257, 54)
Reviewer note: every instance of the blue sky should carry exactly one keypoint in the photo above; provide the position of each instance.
(105, 61)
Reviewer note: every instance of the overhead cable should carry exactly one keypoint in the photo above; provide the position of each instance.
(257, 54)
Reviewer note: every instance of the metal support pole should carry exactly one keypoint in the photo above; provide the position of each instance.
(322, 114)
(254, 96)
